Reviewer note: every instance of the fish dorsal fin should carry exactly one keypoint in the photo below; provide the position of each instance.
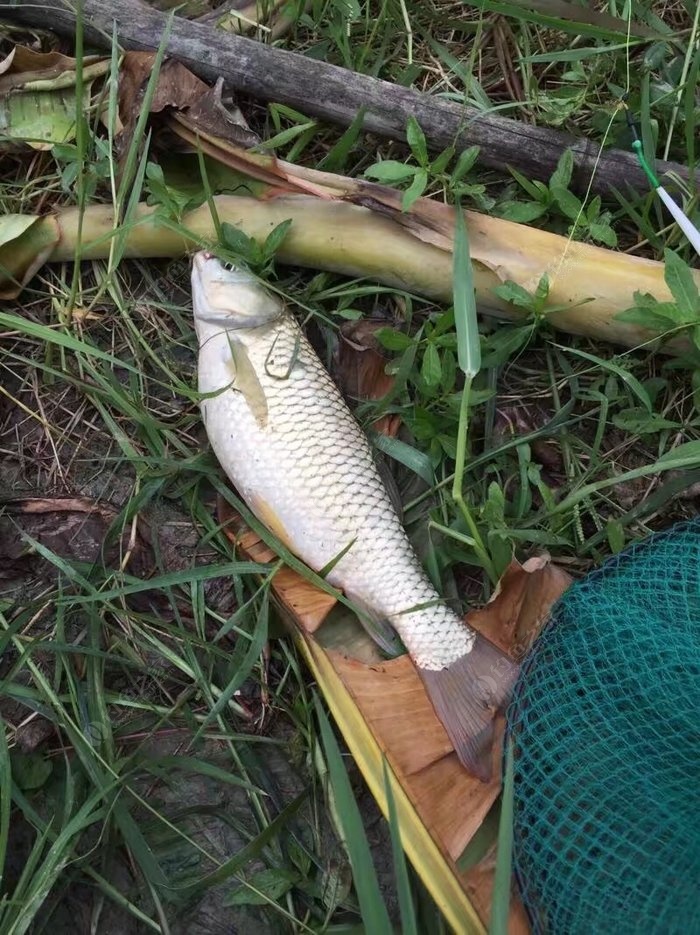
(246, 381)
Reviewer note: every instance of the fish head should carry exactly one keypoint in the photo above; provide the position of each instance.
(226, 297)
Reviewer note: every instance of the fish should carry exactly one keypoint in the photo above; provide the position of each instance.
(286, 439)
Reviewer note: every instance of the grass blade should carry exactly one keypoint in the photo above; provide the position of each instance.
(403, 883)
(372, 907)
(500, 904)
(466, 325)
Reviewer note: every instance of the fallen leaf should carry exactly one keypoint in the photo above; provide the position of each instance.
(31, 71)
(521, 604)
(26, 243)
(361, 368)
(37, 96)
(7, 61)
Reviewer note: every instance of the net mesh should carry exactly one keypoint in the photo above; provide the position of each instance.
(605, 723)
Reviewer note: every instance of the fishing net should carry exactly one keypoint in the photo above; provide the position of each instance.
(605, 724)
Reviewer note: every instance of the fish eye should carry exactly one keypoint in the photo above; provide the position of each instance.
(228, 266)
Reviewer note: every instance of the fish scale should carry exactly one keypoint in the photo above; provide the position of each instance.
(285, 437)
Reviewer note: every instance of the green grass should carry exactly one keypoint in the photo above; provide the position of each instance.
(186, 764)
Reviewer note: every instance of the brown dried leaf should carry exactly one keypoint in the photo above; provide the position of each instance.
(25, 69)
(521, 604)
(361, 368)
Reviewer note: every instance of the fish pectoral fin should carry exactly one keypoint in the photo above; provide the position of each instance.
(377, 626)
(247, 383)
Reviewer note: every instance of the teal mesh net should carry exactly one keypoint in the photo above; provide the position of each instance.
(605, 724)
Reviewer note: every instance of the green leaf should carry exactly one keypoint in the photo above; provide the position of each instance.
(639, 421)
(569, 204)
(415, 189)
(603, 233)
(372, 908)
(270, 885)
(416, 140)
(521, 211)
(466, 160)
(661, 318)
(512, 292)
(683, 455)
(286, 136)
(439, 164)
(390, 170)
(275, 238)
(561, 177)
(616, 535)
(335, 159)
(30, 770)
(415, 460)
(681, 283)
(403, 882)
(236, 240)
(393, 340)
(466, 325)
(610, 365)
(500, 898)
(535, 190)
(431, 368)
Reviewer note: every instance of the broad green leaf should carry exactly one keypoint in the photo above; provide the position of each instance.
(416, 141)
(30, 770)
(603, 233)
(465, 162)
(561, 177)
(680, 281)
(641, 422)
(513, 292)
(275, 238)
(569, 204)
(393, 340)
(616, 535)
(521, 211)
(431, 368)
(415, 189)
(390, 170)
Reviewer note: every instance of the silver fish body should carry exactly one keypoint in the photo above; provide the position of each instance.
(286, 439)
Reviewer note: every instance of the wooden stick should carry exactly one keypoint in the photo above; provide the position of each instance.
(335, 94)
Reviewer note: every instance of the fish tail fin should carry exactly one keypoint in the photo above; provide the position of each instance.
(466, 696)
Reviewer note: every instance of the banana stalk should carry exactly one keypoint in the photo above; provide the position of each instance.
(589, 285)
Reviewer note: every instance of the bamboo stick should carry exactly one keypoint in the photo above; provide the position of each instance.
(591, 284)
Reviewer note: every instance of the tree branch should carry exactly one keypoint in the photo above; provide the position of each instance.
(334, 94)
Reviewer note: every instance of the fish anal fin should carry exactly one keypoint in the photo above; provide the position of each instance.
(377, 626)
(269, 517)
(467, 695)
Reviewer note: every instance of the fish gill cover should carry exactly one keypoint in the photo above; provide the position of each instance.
(606, 736)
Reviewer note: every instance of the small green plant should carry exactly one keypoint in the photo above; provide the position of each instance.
(419, 176)
(589, 221)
